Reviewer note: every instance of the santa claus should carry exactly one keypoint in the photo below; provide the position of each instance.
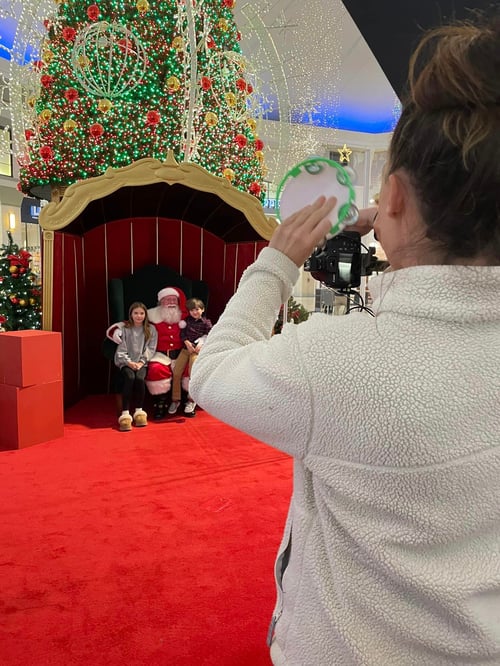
(168, 318)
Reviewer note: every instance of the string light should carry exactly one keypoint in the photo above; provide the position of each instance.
(292, 110)
(396, 111)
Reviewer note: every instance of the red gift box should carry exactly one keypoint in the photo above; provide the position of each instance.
(31, 415)
(30, 357)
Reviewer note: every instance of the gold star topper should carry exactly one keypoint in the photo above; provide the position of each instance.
(345, 153)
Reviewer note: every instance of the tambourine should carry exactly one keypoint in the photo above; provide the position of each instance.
(310, 179)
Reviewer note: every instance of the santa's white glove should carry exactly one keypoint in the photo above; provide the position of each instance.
(117, 336)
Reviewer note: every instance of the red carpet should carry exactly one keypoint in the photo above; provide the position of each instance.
(152, 547)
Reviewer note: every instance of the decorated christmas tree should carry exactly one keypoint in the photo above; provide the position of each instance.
(122, 80)
(296, 313)
(20, 295)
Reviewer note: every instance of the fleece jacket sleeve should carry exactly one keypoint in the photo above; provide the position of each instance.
(245, 377)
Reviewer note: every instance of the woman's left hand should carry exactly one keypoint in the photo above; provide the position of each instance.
(299, 234)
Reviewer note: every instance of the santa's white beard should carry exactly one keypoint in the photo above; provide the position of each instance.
(170, 314)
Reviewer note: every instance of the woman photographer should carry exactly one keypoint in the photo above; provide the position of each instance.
(391, 552)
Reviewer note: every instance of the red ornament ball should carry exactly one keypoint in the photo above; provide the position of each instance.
(124, 45)
(238, 36)
(241, 140)
(96, 130)
(259, 144)
(93, 12)
(210, 42)
(249, 88)
(37, 65)
(241, 84)
(152, 118)
(29, 134)
(71, 94)
(46, 153)
(46, 80)
(255, 189)
(69, 34)
(206, 82)
(228, 3)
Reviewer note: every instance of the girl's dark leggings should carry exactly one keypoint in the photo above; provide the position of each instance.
(133, 382)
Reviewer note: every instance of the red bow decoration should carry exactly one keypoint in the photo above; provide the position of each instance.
(22, 259)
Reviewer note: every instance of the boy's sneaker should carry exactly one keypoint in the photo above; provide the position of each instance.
(189, 407)
(174, 406)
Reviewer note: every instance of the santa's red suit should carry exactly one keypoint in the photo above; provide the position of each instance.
(160, 367)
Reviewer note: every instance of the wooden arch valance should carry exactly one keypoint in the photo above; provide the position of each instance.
(150, 188)
(194, 192)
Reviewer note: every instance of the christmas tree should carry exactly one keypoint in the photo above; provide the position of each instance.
(296, 314)
(120, 81)
(20, 296)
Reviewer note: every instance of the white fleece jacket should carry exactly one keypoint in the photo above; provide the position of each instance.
(394, 424)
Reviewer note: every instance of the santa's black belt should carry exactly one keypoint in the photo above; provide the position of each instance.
(173, 353)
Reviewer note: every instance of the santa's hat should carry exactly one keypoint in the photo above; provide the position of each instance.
(180, 295)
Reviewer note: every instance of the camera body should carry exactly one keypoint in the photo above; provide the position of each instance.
(339, 263)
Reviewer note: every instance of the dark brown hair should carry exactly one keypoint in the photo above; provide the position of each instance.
(194, 303)
(130, 322)
(448, 136)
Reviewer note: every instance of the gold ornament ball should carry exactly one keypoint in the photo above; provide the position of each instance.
(259, 155)
(104, 105)
(69, 125)
(142, 6)
(47, 56)
(251, 122)
(32, 301)
(83, 61)
(230, 99)
(178, 43)
(45, 115)
(211, 119)
(223, 24)
(173, 83)
(12, 269)
(22, 302)
(229, 174)
(31, 101)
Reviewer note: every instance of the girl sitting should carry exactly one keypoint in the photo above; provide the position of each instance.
(136, 348)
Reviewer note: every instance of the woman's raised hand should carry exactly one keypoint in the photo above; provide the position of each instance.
(299, 234)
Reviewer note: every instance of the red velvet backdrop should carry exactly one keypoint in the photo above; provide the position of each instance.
(83, 265)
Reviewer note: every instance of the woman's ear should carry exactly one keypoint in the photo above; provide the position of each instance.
(396, 194)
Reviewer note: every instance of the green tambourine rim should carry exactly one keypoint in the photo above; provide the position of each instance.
(312, 161)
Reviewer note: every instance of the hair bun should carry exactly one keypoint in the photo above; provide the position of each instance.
(456, 67)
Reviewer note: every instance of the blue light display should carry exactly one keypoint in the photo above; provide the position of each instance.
(7, 32)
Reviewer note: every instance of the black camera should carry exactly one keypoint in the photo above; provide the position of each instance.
(339, 263)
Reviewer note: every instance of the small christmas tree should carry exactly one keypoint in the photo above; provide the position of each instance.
(20, 296)
(296, 314)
